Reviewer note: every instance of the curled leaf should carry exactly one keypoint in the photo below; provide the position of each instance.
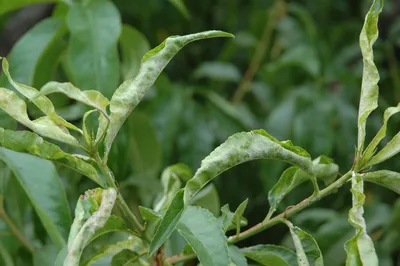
(243, 147)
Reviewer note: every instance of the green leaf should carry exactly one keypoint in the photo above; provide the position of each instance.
(271, 255)
(84, 227)
(239, 214)
(133, 45)
(113, 224)
(369, 86)
(208, 198)
(42, 102)
(228, 219)
(243, 147)
(8, 6)
(204, 234)
(28, 51)
(41, 183)
(171, 183)
(126, 258)
(25, 141)
(149, 214)
(168, 222)
(388, 179)
(237, 256)
(92, 55)
(360, 249)
(308, 252)
(131, 92)
(372, 146)
(91, 98)
(180, 5)
(325, 169)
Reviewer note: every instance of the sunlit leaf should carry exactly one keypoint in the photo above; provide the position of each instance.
(168, 223)
(40, 181)
(360, 249)
(133, 46)
(388, 179)
(369, 86)
(84, 228)
(271, 255)
(204, 234)
(131, 92)
(25, 141)
(92, 54)
(243, 147)
(307, 249)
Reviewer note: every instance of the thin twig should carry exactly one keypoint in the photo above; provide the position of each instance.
(274, 15)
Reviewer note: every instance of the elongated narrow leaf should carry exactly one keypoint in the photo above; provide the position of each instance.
(42, 102)
(79, 239)
(92, 55)
(133, 46)
(16, 108)
(308, 252)
(168, 223)
(385, 178)
(360, 249)
(204, 234)
(369, 86)
(8, 6)
(390, 150)
(41, 183)
(271, 255)
(25, 141)
(236, 256)
(131, 92)
(372, 146)
(89, 97)
(232, 220)
(243, 147)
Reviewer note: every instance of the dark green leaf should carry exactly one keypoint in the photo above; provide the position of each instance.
(41, 183)
(385, 178)
(203, 232)
(271, 255)
(92, 54)
(126, 258)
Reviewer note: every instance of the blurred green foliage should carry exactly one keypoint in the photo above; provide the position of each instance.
(293, 69)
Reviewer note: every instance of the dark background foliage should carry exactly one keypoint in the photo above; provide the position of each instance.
(294, 69)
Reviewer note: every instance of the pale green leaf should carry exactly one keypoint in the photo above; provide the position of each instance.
(388, 179)
(237, 256)
(8, 6)
(41, 183)
(25, 141)
(42, 102)
(308, 252)
(391, 149)
(133, 46)
(239, 214)
(228, 219)
(83, 228)
(92, 56)
(91, 98)
(168, 222)
(171, 183)
(204, 234)
(360, 249)
(271, 255)
(325, 169)
(180, 5)
(131, 92)
(243, 147)
(369, 86)
(149, 214)
(208, 198)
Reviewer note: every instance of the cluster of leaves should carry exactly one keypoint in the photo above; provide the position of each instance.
(75, 44)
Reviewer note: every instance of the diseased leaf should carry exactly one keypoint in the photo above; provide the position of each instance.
(369, 86)
(388, 179)
(168, 223)
(113, 224)
(84, 228)
(243, 147)
(360, 249)
(204, 234)
(237, 256)
(271, 255)
(308, 252)
(25, 141)
(91, 98)
(8, 6)
(92, 55)
(40, 181)
(42, 102)
(131, 92)
(133, 46)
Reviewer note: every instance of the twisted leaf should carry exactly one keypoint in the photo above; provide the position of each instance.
(131, 92)
(25, 141)
(369, 86)
(360, 249)
(243, 147)
(388, 179)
